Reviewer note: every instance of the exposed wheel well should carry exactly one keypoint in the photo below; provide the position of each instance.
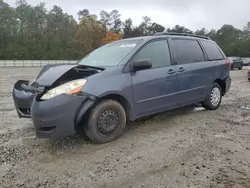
(118, 98)
(222, 85)
(124, 102)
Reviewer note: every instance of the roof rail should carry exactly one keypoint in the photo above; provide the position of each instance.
(181, 34)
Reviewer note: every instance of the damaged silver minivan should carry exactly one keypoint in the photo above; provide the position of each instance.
(123, 81)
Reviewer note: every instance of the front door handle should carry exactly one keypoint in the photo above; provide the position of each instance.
(171, 71)
(181, 69)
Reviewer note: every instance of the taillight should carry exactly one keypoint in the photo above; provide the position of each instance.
(248, 72)
(228, 63)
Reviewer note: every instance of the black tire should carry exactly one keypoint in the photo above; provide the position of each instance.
(240, 68)
(99, 121)
(249, 79)
(207, 104)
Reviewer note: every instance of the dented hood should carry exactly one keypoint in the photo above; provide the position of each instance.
(50, 73)
(61, 73)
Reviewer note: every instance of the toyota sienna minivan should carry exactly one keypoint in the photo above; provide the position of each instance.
(123, 81)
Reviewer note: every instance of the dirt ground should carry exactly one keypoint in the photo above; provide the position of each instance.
(185, 148)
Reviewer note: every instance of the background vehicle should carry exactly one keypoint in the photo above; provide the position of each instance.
(236, 62)
(248, 75)
(124, 81)
(246, 61)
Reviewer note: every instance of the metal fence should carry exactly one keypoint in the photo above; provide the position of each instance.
(32, 63)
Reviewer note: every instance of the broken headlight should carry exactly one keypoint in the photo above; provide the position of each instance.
(71, 87)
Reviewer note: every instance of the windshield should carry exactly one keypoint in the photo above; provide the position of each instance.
(110, 54)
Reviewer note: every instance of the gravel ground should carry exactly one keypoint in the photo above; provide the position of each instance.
(189, 147)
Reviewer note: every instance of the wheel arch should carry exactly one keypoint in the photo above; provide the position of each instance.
(82, 117)
(122, 100)
(222, 85)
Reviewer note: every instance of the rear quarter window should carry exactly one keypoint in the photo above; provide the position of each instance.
(212, 50)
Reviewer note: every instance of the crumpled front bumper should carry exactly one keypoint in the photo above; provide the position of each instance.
(53, 118)
(22, 99)
(57, 117)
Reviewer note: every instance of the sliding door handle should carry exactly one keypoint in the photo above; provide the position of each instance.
(181, 69)
(171, 71)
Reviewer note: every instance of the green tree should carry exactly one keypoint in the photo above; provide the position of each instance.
(180, 29)
(89, 35)
(227, 37)
(33, 32)
(127, 28)
(145, 26)
(156, 28)
(202, 31)
(105, 19)
(8, 28)
(111, 20)
(212, 34)
(116, 21)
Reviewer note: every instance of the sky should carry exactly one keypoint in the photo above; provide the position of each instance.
(193, 14)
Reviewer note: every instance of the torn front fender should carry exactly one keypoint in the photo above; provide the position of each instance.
(57, 117)
(84, 107)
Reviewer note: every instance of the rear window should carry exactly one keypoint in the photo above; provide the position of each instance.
(212, 50)
(187, 51)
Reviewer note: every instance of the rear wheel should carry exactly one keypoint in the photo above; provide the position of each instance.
(213, 99)
(106, 122)
(240, 68)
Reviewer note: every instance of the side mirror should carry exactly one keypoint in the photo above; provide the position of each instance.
(141, 64)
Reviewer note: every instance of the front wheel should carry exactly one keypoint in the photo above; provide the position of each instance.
(106, 122)
(213, 99)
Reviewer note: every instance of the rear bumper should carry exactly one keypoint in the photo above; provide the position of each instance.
(22, 99)
(57, 117)
(228, 84)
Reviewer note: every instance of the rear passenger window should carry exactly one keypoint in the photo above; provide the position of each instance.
(157, 52)
(212, 51)
(187, 51)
